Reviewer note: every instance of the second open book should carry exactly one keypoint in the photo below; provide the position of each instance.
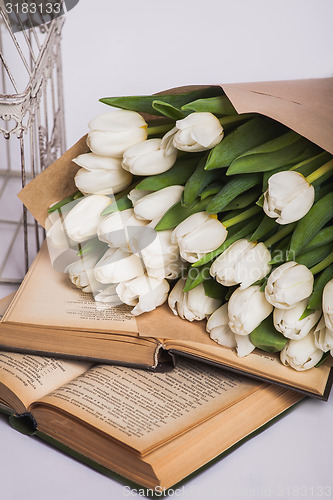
(50, 316)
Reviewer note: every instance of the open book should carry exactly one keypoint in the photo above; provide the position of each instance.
(50, 316)
(148, 427)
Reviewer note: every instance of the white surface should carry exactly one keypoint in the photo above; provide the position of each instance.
(143, 47)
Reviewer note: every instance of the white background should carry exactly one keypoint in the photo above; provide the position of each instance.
(140, 47)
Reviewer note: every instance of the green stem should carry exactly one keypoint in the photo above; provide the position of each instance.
(322, 265)
(320, 172)
(280, 234)
(159, 129)
(243, 216)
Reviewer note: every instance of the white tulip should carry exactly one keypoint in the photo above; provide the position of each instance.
(118, 228)
(154, 205)
(144, 293)
(81, 272)
(288, 284)
(196, 132)
(83, 219)
(288, 323)
(108, 295)
(112, 133)
(55, 233)
(100, 174)
(101, 181)
(247, 309)
(192, 305)
(197, 235)
(289, 197)
(116, 266)
(160, 256)
(244, 345)
(149, 158)
(218, 327)
(301, 354)
(93, 162)
(136, 194)
(327, 303)
(243, 262)
(323, 337)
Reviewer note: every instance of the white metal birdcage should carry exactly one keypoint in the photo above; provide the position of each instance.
(32, 133)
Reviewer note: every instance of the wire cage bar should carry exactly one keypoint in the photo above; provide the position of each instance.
(32, 130)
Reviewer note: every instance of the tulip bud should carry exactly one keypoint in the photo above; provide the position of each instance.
(328, 304)
(301, 354)
(288, 323)
(160, 257)
(154, 205)
(197, 235)
(243, 262)
(116, 266)
(81, 272)
(323, 337)
(192, 305)
(112, 133)
(288, 284)
(108, 295)
(218, 327)
(149, 158)
(100, 174)
(289, 197)
(55, 233)
(83, 219)
(144, 293)
(118, 228)
(247, 309)
(196, 132)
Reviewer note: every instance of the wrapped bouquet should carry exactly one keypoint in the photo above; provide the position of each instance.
(227, 216)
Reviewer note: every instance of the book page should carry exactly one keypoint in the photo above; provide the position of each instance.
(143, 409)
(31, 377)
(48, 298)
(191, 338)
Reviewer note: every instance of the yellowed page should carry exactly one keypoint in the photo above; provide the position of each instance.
(47, 298)
(31, 377)
(143, 409)
(192, 338)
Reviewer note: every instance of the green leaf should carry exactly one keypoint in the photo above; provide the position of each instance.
(315, 300)
(231, 189)
(249, 135)
(266, 338)
(219, 105)
(324, 236)
(117, 206)
(198, 181)
(265, 227)
(312, 257)
(307, 227)
(270, 155)
(214, 289)
(243, 200)
(61, 204)
(177, 213)
(211, 189)
(176, 175)
(196, 275)
(168, 110)
(144, 104)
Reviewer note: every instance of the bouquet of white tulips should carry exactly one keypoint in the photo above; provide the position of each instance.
(226, 216)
